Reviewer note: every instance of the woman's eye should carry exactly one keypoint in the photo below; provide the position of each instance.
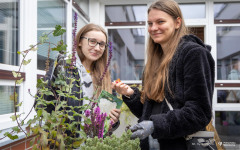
(159, 22)
(93, 41)
(149, 24)
(102, 44)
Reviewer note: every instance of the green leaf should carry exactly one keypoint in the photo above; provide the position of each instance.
(43, 138)
(19, 104)
(54, 133)
(82, 134)
(77, 144)
(16, 129)
(43, 38)
(35, 147)
(14, 118)
(69, 61)
(18, 52)
(58, 30)
(15, 75)
(12, 137)
(35, 130)
(32, 141)
(39, 113)
(19, 81)
(61, 47)
(25, 62)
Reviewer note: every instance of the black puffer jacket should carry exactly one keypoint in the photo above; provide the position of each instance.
(191, 79)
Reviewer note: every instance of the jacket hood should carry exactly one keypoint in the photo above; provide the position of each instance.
(197, 40)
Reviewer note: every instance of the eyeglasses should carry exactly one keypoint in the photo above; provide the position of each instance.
(93, 42)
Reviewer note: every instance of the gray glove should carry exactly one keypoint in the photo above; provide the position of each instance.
(142, 129)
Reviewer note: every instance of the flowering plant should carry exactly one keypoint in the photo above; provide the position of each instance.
(62, 128)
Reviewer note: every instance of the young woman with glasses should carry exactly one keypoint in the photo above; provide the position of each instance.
(91, 60)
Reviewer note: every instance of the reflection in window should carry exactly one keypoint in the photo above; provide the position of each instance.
(227, 10)
(228, 96)
(193, 11)
(83, 4)
(125, 13)
(228, 53)
(7, 105)
(228, 128)
(128, 53)
(80, 22)
(9, 32)
(50, 14)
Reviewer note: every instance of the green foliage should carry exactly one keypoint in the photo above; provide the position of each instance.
(25, 62)
(112, 143)
(61, 47)
(59, 129)
(12, 137)
(15, 75)
(42, 38)
(58, 30)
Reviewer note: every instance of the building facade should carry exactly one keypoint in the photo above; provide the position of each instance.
(22, 22)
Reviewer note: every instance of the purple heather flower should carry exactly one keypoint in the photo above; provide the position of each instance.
(97, 111)
(87, 113)
(73, 61)
(108, 62)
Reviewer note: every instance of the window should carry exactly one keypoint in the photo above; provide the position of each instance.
(228, 96)
(128, 43)
(6, 104)
(82, 6)
(228, 52)
(9, 32)
(228, 127)
(128, 53)
(125, 14)
(193, 11)
(50, 13)
(227, 12)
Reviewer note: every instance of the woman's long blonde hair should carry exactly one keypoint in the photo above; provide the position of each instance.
(97, 68)
(157, 67)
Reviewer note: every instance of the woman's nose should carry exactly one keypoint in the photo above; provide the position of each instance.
(97, 47)
(154, 27)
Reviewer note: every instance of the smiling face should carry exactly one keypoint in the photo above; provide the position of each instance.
(92, 53)
(161, 26)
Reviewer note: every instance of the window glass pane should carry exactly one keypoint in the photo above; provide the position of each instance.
(84, 5)
(125, 13)
(9, 32)
(193, 11)
(7, 105)
(228, 96)
(50, 14)
(228, 128)
(227, 10)
(228, 54)
(128, 53)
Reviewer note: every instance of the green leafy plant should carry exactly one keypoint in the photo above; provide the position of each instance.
(112, 143)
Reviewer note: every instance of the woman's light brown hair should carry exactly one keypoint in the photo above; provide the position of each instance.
(157, 66)
(98, 66)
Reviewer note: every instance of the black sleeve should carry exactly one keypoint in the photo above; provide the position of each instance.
(134, 103)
